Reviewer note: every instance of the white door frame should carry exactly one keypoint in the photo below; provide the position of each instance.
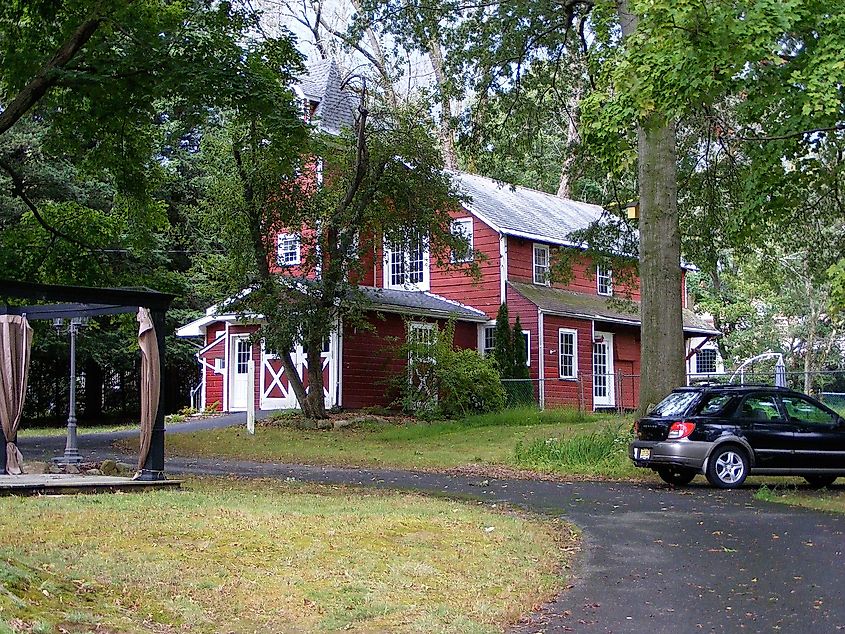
(234, 406)
(608, 381)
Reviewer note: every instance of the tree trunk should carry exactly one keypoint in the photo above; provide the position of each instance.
(564, 189)
(315, 400)
(447, 129)
(662, 336)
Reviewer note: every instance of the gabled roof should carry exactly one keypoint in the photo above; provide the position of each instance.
(386, 300)
(526, 213)
(335, 106)
(594, 307)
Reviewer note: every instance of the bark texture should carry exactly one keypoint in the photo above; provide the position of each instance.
(662, 329)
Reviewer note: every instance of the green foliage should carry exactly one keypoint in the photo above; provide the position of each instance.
(602, 450)
(503, 343)
(444, 381)
(520, 360)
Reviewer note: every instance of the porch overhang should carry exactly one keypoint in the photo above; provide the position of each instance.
(563, 303)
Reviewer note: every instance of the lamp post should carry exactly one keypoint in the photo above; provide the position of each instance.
(71, 454)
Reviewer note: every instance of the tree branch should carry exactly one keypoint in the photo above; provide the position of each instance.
(46, 77)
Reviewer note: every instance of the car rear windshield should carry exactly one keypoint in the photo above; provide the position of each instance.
(676, 404)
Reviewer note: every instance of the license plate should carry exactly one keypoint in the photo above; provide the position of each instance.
(644, 454)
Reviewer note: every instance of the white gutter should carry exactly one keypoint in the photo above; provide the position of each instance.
(503, 268)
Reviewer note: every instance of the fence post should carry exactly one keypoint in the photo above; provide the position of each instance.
(618, 392)
(580, 383)
(250, 399)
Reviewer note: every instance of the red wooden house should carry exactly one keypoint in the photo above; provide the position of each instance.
(583, 343)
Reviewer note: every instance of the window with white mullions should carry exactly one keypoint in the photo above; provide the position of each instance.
(406, 264)
(705, 361)
(243, 356)
(604, 281)
(541, 264)
(287, 249)
(567, 353)
(488, 342)
(462, 228)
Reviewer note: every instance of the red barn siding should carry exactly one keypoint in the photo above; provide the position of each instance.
(583, 278)
(520, 307)
(484, 293)
(566, 391)
(626, 355)
(213, 380)
(371, 359)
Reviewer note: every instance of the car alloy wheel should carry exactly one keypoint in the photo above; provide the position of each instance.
(727, 468)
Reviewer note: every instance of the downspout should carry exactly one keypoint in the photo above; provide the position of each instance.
(503, 268)
(226, 370)
(541, 361)
(339, 364)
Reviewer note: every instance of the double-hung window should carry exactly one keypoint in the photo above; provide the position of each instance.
(541, 264)
(287, 249)
(406, 264)
(488, 340)
(462, 228)
(568, 353)
(604, 281)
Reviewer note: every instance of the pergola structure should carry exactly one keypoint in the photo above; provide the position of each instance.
(66, 302)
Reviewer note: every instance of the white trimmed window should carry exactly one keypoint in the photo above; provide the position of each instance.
(287, 249)
(604, 281)
(705, 361)
(541, 264)
(406, 265)
(526, 337)
(567, 353)
(463, 229)
(488, 340)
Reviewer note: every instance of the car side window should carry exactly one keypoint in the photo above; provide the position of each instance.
(803, 411)
(713, 404)
(758, 407)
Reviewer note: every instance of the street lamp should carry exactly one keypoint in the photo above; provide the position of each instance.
(71, 454)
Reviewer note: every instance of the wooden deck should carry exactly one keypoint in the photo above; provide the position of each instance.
(63, 484)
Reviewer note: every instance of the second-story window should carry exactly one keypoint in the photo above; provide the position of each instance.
(406, 264)
(287, 249)
(541, 264)
(604, 281)
(463, 228)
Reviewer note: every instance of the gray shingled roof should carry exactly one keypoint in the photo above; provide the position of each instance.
(569, 304)
(525, 212)
(336, 107)
(419, 303)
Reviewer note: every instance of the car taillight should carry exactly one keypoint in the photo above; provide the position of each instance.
(681, 429)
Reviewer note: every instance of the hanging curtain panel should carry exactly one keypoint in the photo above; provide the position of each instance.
(15, 345)
(150, 381)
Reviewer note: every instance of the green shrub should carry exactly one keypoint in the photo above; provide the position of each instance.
(467, 384)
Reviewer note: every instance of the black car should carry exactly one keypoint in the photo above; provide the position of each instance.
(729, 432)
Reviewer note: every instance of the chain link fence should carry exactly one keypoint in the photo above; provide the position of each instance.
(620, 391)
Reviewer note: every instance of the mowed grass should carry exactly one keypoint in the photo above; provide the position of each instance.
(487, 440)
(231, 556)
(28, 432)
(830, 499)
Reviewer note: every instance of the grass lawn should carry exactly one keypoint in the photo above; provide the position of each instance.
(26, 432)
(830, 499)
(515, 438)
(262, 556)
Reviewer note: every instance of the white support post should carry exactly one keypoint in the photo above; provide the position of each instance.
(250, 398)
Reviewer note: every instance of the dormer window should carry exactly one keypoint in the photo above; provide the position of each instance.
(406, 264)
(541, 264)
(287, 249)
(604, 281)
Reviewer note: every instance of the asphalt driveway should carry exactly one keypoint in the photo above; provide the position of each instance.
(654, 559)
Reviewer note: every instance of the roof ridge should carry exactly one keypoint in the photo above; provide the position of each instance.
(504, 184)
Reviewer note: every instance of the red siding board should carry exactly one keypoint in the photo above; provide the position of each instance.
(371, 359)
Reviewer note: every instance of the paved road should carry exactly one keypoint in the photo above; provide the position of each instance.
(654, 559)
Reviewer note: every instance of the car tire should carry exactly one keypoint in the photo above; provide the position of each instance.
(727, 467)
(820, 481)
(676, 476)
